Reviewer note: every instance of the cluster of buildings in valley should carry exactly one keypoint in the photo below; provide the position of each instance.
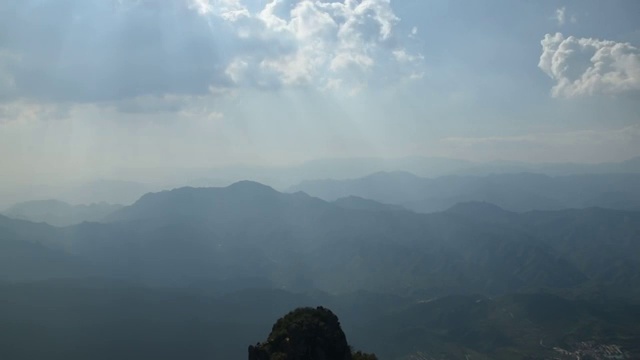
(589, 350)
(586, 350)
(419, 355)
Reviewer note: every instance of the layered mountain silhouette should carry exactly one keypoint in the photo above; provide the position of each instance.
(295, 241)
(358, 203)
(60, 213)
(515, 192)
(205, 271)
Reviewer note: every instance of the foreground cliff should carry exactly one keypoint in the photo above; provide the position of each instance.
(306, 334)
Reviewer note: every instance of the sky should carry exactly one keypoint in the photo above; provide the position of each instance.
(88, 88)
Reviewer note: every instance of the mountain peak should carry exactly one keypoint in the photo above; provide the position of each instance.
(248, 185)
(242, 197)
(306, 333)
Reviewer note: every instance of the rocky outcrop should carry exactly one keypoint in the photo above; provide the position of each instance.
(305, 334)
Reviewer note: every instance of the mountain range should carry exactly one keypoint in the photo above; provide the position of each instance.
(516, 192)
(216, 263)
(249, 230)
(134, 183)
(60, 213)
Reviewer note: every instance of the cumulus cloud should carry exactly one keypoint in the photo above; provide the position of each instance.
(231, 10)
(78, 51)
(587, 66)
(324, 41)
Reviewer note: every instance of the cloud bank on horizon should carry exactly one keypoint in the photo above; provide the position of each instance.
(90, 86)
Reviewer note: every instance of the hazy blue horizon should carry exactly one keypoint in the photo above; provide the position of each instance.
(91, 89)
(454, 179)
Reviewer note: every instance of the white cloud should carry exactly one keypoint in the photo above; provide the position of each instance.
(144, 52)
(236, 69)
(231, 10)
(321, 41)
(560, 15)
(586, 66)
(202, 6)
(403, 56)
(333, 84)
(25, 111)
(345, 60)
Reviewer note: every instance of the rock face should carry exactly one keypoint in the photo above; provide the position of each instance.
(304, 334)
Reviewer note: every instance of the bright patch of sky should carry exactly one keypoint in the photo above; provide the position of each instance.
(90, 86)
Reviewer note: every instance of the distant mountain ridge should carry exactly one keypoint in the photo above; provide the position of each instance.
(515, 192)
(358, 203)
(125, 191)
(60, 213)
